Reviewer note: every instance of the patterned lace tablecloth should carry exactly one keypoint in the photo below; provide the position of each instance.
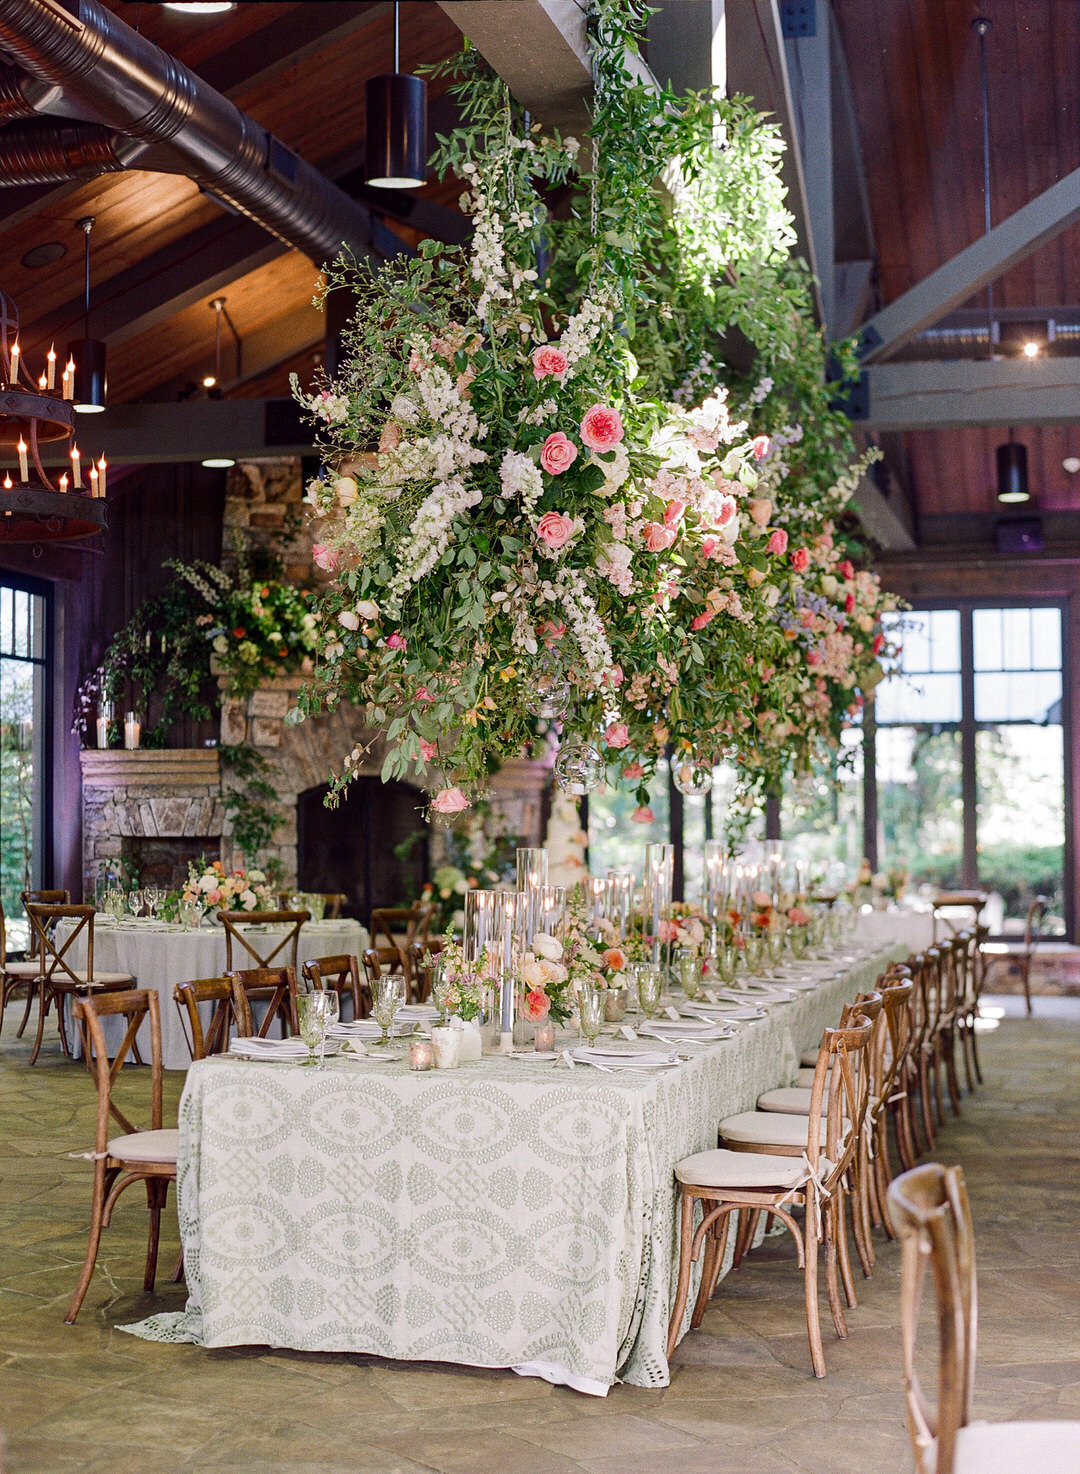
(508, 1214)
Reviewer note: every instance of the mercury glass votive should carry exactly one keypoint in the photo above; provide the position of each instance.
(544, 1037)
(421, 1054)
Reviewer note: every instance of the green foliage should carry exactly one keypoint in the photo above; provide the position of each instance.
(250, 797)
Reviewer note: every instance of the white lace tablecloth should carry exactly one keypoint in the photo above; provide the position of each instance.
(508, 1214)
(160, 959)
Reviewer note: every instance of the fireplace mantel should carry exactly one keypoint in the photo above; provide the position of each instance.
(151, 767)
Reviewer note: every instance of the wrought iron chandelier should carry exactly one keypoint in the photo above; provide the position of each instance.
(34, 508)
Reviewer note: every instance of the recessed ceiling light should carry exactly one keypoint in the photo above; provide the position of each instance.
(1031, 350)
(44, 255)
(218, 463)
(199, 7)
(1071, 464)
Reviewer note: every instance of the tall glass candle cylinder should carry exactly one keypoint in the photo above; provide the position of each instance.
(132, 731)
(104, 719)
(622, 890)
(509, 913)
(544, 910)
(532, 869)
(598, 897)
(717, 879)
(656, 899)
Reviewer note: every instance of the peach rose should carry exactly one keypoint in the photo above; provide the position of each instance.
(325, 558)
(616, 734)
(760, 509)
(549, 360)
(449, 801)
(554, 529)
(537, 1006)
(601, 429)
(558, 453)
(657, 536)
(615, 958)
(643, 815)
(633, 771)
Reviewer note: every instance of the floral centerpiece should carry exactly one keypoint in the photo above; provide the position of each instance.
(686, 927)
(226, 890)
(459, 989)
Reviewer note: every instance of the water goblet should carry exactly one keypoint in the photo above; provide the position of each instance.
(115, 902)
(591, 1011)
(753, 952)
(775, 945)
(387, 996)
(316, 1012)
(650, 984)
(727, 962)
(688, 970)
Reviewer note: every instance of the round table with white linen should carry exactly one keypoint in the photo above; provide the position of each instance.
(160, 956)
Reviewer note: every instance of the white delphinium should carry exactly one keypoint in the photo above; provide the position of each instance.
(430, 535)
(487, 263)
(614, 565)
(584, 620)
(520, 479)
(584, 328)
(363, 523)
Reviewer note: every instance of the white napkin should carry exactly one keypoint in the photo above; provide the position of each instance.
(697, 1032)
(610, 1060)
(367, 1028)
(256, 1048)
(735, 1012)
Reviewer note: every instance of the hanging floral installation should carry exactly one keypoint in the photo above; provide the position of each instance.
(569, 517)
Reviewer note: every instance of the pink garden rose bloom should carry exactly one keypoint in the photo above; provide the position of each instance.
(428, 749)
(847, 569)
(548, 359)
(760, 509)
(633, 771)
(800, 560)
(878, 645)
(761, 446)
(449, 801)
(701, 620)
(395, 642)
(614, 676)
(657, 536)
(673, 513)
(554, 529)
(616, 734)
(849, 604)
(558, 453)
(643, 815)
(778, 542)
(537, 1005)
(710, 546)
(325, 558)
(601, 428)
(725, 511)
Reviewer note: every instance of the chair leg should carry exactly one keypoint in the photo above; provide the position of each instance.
(975, 1045)
(686, 1244)
(833, 1224)
(101, 1187)
(1025, 975)
(935, 1075)
(966, 1032)
(156, 1190)
(42, 1005)
(748, 1221)
(950, 1071)
(31, 994)
(925, 1100)
(810, 1283)
(64, 1045)
(843, 1252)
(860, 1212)
(713, 1262)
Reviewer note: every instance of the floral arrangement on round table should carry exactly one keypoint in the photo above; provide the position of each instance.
(541, 536)
(226, 890)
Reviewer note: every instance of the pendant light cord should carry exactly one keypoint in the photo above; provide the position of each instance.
(980, 26)
(397, 37)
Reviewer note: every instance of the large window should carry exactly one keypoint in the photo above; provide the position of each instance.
(23, 729)
(970, 774)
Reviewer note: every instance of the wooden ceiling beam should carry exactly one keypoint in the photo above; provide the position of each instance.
(966, 392)
(242, 429)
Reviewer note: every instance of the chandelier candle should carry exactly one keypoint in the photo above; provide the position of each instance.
(24, 469)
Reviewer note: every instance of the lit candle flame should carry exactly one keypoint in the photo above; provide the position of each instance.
(51, 376)
(24, 473)
(102, 468)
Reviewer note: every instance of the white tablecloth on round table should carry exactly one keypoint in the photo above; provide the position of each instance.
(913, 929)
(508, 1214)
(161, 959)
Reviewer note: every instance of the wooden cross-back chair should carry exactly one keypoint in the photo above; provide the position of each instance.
(394, 930)
(258, 949)
(418, 969)
(946, 902)
(132, 1155)
(15, 976)
(341, 975)
(801, 1162)
(57, 977)
(932, 1218)
(216, 993)
(973, 975)
(274, 986)
(46, 898)
(1033, 926)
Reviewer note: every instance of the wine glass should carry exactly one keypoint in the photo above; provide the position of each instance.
(136, 902)
(753, 952)
(387, 996)
(591, 1011)
(316, 1011)
(688, 969)
(650, 983)
(153, 896)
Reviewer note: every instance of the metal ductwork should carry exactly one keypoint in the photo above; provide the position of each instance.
(92, 67)
(12, 102)
(44, 152)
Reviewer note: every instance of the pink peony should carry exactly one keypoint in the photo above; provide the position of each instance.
(657, 536)
(549, 360)
(673, 513)
(800, 560)
(760, 509)
(449, 801)
(761, 446)
(558, 453)
(778, 542)
(395, 642)
(537, 1005)
(633, 771)
(428, 749)
(601, 428)
(616, 734)
(701, 620)
(847, 569)
(643, 815)
(554, 529)
(325, 558)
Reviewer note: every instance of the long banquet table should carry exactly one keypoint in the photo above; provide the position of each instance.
(509, 1214)
(160, 957)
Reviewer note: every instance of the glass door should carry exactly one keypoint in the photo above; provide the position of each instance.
(23, 731)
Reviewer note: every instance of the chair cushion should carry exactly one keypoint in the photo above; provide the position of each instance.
(105, 979)
(793, 1101)
(768, 1128)
(21, 969)
(741, 1170)
(1017, 1448)
(146, 1146)
(805, 1077)
(809, 1059)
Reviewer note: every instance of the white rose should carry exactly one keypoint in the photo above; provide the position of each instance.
(209, 883)
(367, 609)
(256, 877)
(248, 900)
(350, 620)
(549, 947)
(221, 644)
(829, 586)
(346, 491)
(771, 595)
(533, 973)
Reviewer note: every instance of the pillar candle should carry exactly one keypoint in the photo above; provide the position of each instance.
(15, 362)
(50, 377)
(102, 479)
(76, 467)
(24, 471)
(132, 731)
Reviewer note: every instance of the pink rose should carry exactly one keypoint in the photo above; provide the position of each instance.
(601, 428)
(657, 536)
(760, 509)
(423, 694)
(878, 645)
(800, 560)
(701, 620)
(673, 513)
(537, 1005)
(558, 453)
(847, 569)
(633, 771)
(614, 676)
(725, 511)
(616, 734)
(428, 749)
(778, 542)
(325, 558)
(554, 529)
(395, 642)
(814, 657)
(710, 546)
(549, 360)
(643, 815)
(849, 604)
(449, 801)
(214, 898)
(761, 446)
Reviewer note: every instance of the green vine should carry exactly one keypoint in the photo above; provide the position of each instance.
(250, 798)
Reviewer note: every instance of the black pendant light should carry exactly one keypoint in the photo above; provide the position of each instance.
(396, 142)
(1012, 472)
(88, 354)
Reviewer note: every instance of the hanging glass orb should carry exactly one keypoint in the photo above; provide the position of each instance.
(552, 696)
(692, 777)
(579, 768)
